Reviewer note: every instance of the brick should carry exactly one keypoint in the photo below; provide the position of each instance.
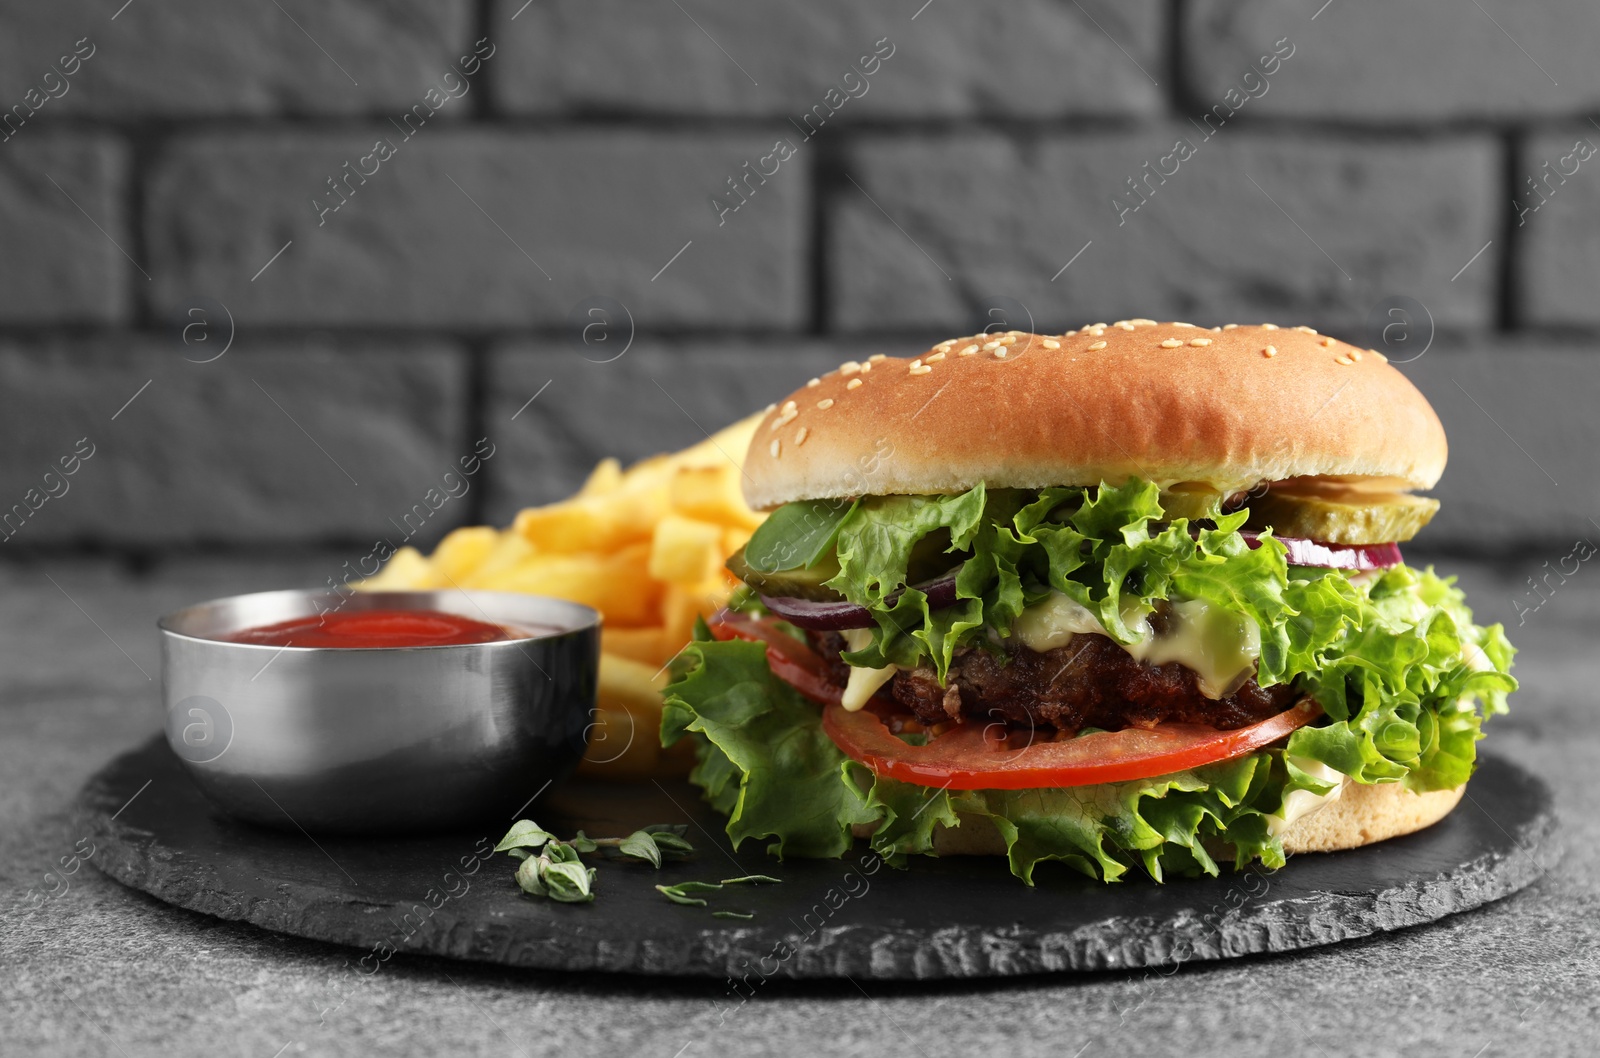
(659, 396)
(204, 455)
(1519, 413)
(479, 230)
(58, 267)
(194, 58)
(952, 221)
(1035, 59)
(1416, 61)
(1558, 221)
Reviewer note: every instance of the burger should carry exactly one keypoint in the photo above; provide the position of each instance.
(1129, 598)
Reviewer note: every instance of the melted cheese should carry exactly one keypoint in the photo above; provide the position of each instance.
(1051, 624)
(1219, 647)
(863, 683)
(1301, 803)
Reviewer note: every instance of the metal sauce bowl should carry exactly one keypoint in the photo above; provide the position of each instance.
(379, 740)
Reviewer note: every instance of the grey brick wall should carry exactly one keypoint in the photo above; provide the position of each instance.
(393, 216)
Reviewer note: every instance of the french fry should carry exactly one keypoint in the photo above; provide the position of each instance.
(647, 644)
(510, 551)
(605, 477)
(735, 538)
(625, 738)
(407, 570)
(627, 684)
(682, 603)
(685, 550)
(617, 585)
(594, 523)
(712, 494)
(463, 551)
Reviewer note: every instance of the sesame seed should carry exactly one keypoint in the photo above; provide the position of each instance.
(1270, 351)
(946, 345)
(1354, 354)
(800, 436)
(774, 448)
(915, 364)
(1381, 358)
(1070, 334)
(788, 406)
(1098, 329)
(1010, 338)
(1343, 360)
(1000, 354)
(921, 370)
(1171, 343)
(968, 351)
(1096, 347)
(854, 383)
(814, 382)
(770, 409)
(1125, 325)
(1327, 343)
(1183, 324)
(785, 416)
(875, 357)
(1217, 329)
(934, 358)
(1230, 326)
(1269, 326)
(1051, 343)
(825, 403)
(1098, 326)
(849, 367)
(1199, 341)
(1144, 323)
(990, 347)
(1306, 330)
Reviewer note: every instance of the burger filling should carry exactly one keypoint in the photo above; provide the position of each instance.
(1176, 677)
(1090, 682)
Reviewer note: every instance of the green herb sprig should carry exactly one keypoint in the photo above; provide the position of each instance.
(552, 868)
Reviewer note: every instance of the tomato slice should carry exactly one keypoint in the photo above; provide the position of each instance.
(791, 661)
(974, 757)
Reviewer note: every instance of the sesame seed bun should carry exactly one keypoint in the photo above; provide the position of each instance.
(1360, 815)
(1169, 402)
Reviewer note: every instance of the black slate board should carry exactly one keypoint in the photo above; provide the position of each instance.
(957, 917)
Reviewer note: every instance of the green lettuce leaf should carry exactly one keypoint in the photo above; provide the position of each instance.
(764, 758)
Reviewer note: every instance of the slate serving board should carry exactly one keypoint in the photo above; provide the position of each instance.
(957, 917)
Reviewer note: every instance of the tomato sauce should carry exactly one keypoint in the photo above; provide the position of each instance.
(375, 628)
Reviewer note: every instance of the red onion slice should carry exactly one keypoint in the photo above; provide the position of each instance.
(1358, 557)
(833, 616)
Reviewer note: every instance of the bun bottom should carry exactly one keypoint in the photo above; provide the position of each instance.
(1361, 815)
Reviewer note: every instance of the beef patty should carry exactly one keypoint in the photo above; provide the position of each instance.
(1090, 682)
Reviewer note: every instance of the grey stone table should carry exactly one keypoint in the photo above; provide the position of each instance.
(102, 970)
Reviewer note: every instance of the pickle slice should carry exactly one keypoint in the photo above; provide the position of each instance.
(796, 583)
(1381, 518)
(929, 558)
(1193, 500)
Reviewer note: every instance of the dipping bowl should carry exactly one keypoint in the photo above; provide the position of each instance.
(381, 740)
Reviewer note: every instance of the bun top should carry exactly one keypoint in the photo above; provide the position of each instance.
(1168, 402)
